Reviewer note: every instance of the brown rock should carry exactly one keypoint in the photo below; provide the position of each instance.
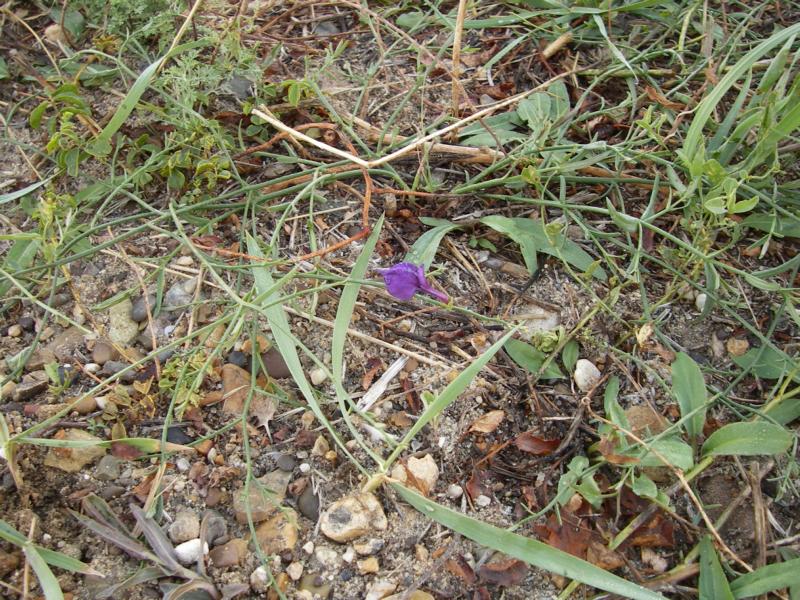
(73, 460)
(85, 405)
(64, 345)
(737, 346)
(31, 385)
(279, 533)
(275, 365)
(368, 565)
(104, 352)
(264, 498)
(230, 554)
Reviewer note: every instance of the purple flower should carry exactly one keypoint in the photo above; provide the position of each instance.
(405, 279)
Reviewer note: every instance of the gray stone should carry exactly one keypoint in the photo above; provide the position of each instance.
(121, 328)
(103, 352)
(286, 462)
(108, 469)
(139, 307)
(216, 528)
(308, 504)
(31, 385)
(275, 365)
(185, 527)
(180, 294)
(65, 344)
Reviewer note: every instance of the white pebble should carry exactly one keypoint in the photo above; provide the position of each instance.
(454, 491)
(295, 570)
(308, 548)
(318, 375)
(182, 464)
(259, 580)
(305, 467)
(101, 402)
(15, 331)
(189, 552)
(700, 301)
(483, 501)
(91, 367)
(586, 375)
(185, 261)
(349, 555)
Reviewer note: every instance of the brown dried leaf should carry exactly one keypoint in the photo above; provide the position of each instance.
(659, 98)
(459, 567)
(658, 532)
(373, 366)
(476, 485)
(527, 442)
(504, 572)
(570, 535)
(602, 556)
(488, 422)
(263, 409)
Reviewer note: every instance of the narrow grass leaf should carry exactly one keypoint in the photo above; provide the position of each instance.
(453, 390)
(11, 196)
(713, 583)
(141, 576)
(703, 111)
(598, 20)
(766, 579)
(689, 388)
(119, 539)
(287, 343)
(62, 561)
(47, 581)
(531, 551)
(748, 438)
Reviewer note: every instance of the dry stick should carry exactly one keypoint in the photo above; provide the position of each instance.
(557, 44)
(264, 113)
(459, 31)
(759, 514)
(181, 32)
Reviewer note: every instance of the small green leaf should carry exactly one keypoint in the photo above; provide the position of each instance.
(424, 249)
(749, 438)
(766, 362)
(569, 355)
(690, 390)
(766, 579)
(411, 20)
(4, 74)
(713, 583)
(37, 114)
(644, 487)
(676, 452)
(532, 359)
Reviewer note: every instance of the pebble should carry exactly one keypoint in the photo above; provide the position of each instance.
(108, 468)
(121, 328)
(92, 367)
(286, 462)
(275, 365)
(308, 548)
(321, 446)
(737, 346)
(700, 301)
(240, 359)
(264, 499)
(259, 580)
(371, 546)
(415, 595)
(380, 589)
(184, 261)
(353, 516)
(349, 555)
(15, 331)
(308, 504)
(586, 375)
(216, 528)
(318, 375)
(64, 345)
(182, 464)
(279, 533)
(72, 460)
(368, 565)
(31, 385)
(295, 570)
(27, 323)
(185, 527)
(483, 501)
(180, 294)
(454, 491)
(230, 554)
(177, 435)
(424, 472)
(190, 552)
(59, 299)
(305, 467)
(315, 585)
(113, 367)
(103, 352)
(327, 557)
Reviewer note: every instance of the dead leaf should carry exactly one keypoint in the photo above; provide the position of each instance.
(235, 387)
(504, 572)
(481, 594)
(570, 534)
(125, 451)
(658, 532)
(658, 97)
(488, 422)
(476, 485)
(263, 409)
(602, 556)
(459, 567)
(527, 442)
(475, 59)
(373, 366)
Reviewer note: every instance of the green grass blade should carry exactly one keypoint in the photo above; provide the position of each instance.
(531, 551)
(710, 102)
(286, 342)
(48, 581)
(713, 583)
(767, 579)
(448, 395)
